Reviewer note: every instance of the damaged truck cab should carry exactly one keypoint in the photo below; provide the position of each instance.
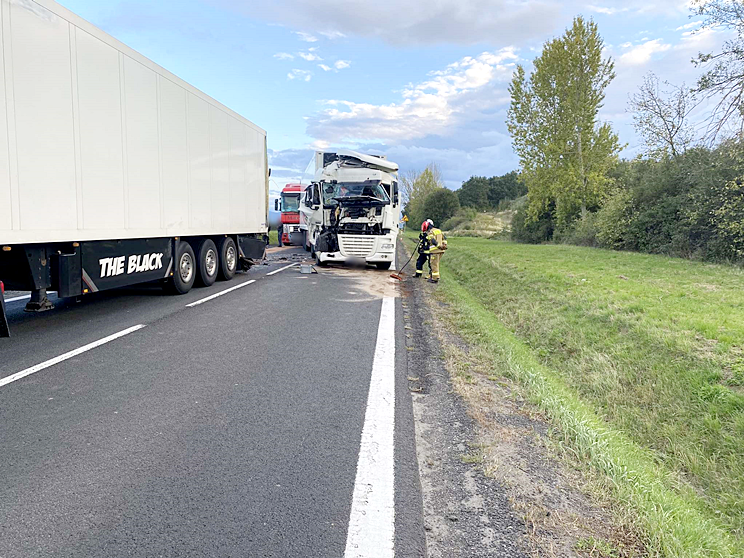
(351, 210)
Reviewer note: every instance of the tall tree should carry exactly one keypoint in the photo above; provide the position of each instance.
(723, 79)
(660, 116)
(421, 185)
(564, 151)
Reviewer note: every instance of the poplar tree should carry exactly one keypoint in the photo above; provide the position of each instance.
(564, 151)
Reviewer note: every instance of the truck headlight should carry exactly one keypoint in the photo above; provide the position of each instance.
(387, 246)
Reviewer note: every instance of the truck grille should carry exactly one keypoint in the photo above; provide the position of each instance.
(359, 246)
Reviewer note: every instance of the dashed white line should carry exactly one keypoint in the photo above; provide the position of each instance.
(371, 531)
(203, 300)
(281, 269)
(73, 353)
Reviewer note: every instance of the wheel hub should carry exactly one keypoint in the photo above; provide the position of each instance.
(186, 267)
(210, 261)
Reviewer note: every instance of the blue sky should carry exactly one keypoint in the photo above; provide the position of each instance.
(418, 80)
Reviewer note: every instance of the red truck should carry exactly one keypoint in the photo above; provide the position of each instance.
(289, 205)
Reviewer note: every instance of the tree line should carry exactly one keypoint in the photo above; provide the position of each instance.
(683, 196)
(426, 197)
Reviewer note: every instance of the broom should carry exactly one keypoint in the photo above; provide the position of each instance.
(399, 274)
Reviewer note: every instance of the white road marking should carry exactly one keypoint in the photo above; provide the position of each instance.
(372, 522)
(24, 297)
(281, 269)
(7, 300)
(73, 353)
(203, 300)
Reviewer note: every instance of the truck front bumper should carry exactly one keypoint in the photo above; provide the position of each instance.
(362, 249)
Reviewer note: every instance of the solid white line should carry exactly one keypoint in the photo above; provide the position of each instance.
(60, 358)
(281, 269)
(372, 522)
(23, 297)
(203, 300)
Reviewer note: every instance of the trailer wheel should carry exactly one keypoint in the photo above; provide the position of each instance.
(208, 263)
(228, 258)
(383, 265)
(185, 272)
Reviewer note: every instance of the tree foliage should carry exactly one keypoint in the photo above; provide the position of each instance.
(723, 79)
(484, 193)
(661, 116)
(564, 152)
(440, 205)
(416, 186)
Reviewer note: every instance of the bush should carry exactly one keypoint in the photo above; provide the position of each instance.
(440, 205)
(463, 215)
(582, 232)
(533, 232)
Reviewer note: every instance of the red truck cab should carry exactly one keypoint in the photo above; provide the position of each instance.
(290, 209)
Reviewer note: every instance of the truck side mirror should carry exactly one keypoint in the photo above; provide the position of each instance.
(276, 205)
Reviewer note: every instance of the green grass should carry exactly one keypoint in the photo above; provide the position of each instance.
(637, 359)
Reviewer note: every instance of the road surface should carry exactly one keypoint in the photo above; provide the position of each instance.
(272, 420)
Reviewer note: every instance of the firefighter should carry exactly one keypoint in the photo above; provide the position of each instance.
(432, 246)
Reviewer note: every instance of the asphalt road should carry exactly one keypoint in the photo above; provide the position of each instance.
(228, 428)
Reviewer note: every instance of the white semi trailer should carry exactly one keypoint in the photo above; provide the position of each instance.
(113, 171)
(351, 209)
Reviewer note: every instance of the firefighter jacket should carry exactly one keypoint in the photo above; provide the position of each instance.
(436, 241)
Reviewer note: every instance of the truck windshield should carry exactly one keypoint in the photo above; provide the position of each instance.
(290, 202)
(353, 189)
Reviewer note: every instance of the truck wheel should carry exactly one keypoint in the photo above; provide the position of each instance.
(317, 260)
(228, 258)
(305, 243)
(185, 272)
(383, 265)
(208, 263)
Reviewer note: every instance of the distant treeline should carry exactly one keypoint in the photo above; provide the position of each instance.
(486, 194)
(691, 206)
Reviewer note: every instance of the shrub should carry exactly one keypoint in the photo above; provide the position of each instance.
(440, 205)
(532, 232)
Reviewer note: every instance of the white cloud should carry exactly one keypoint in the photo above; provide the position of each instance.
(501, 22)
(302, 75)
(284, 56)
(341, 64)
(642, 53)
(690, 25)
(427, 108)
(332, 34)
(606, 11)
(309, 56)
(324, 67)
(307, 37)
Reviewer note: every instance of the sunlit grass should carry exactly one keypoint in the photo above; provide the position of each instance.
(637, 359)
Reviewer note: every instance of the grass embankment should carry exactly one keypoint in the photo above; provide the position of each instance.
(636, 359)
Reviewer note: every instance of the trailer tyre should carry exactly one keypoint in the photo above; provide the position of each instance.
(383, 265)
(185, 272)
(208, 263)
(228, 258)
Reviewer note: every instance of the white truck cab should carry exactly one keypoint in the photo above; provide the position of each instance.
(351, 209)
